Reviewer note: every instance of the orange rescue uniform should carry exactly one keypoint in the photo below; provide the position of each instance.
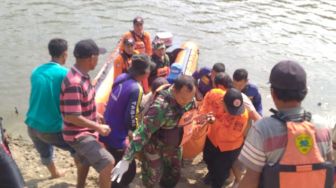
(142, 43)
(227, 132)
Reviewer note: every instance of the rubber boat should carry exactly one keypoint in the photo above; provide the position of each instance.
(186, 54)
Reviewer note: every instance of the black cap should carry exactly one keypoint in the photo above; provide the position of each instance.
(87, 48)
(138, 19)
(129, 41)
(288, 75)
(233, 100)
(140, 62)
(158, 44)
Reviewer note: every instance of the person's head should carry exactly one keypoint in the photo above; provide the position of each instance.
(233, 102)
(129, 46)
(288, 82)
(157, 82)
(216, 68)
(138, 25)
(223, 81)
(58, 50)
(240, 79)
(159, 48)
(141, 66)
(184, 89)
(86, 53)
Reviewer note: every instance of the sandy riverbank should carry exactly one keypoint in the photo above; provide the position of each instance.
(36, 175)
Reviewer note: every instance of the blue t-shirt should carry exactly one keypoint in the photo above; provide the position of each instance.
(252, 92)
(204, 83)
(122, 110)
(44, 104)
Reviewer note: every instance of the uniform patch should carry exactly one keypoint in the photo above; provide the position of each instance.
(205, 80)
(304, 143)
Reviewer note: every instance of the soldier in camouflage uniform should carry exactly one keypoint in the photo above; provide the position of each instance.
(158, 136)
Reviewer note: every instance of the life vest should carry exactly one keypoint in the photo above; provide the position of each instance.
(142, 43)
(162, 68)
(302, 164)
(163, 72)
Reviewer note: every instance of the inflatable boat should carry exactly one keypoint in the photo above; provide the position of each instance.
(186, 55)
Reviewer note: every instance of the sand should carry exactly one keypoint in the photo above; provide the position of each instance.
(37, 175)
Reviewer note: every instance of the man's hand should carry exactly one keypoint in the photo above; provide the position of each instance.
(103, 129)
(210, 117)
(100, 118)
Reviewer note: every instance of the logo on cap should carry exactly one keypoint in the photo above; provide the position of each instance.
(236, 103)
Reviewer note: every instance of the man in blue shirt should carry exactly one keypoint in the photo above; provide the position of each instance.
(44, 118)
(123, 110)
(205, 79)
(241, 82)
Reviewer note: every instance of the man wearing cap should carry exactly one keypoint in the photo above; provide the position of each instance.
(225, 136)
(122, 111)
(142, 38)
(124, 60)
(267, 139)
(205, 79)
(158, 136)
(82, 124)
(161, 60)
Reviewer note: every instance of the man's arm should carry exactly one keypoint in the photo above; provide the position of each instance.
(250, 180)
(133, 108)
(257, 102)
(72, 110)
(148, 44)
(81, 121)
(153, 120)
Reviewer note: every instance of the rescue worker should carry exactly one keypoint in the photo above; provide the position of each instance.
(272, 140)
(223, 81)
(122, 111)
(142, 39)
(158, 136)
(205, 79)
(226, 135)
(161, 60)
(241, 82)
(124, 60)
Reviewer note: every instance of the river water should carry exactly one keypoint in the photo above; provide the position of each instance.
(251, 34)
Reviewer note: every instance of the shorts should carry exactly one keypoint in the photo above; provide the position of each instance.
(91, 153)
(44, 143)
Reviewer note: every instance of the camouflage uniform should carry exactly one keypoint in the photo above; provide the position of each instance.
(155, 137)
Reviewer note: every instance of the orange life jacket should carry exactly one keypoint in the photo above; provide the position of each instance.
(302, 164)
(142, 43)
(163, 72)
(227, 132)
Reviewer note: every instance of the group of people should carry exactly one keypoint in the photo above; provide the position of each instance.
(142, 115)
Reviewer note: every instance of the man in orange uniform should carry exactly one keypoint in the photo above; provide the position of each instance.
(124, 59)
(142, 39)
(226, 135)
